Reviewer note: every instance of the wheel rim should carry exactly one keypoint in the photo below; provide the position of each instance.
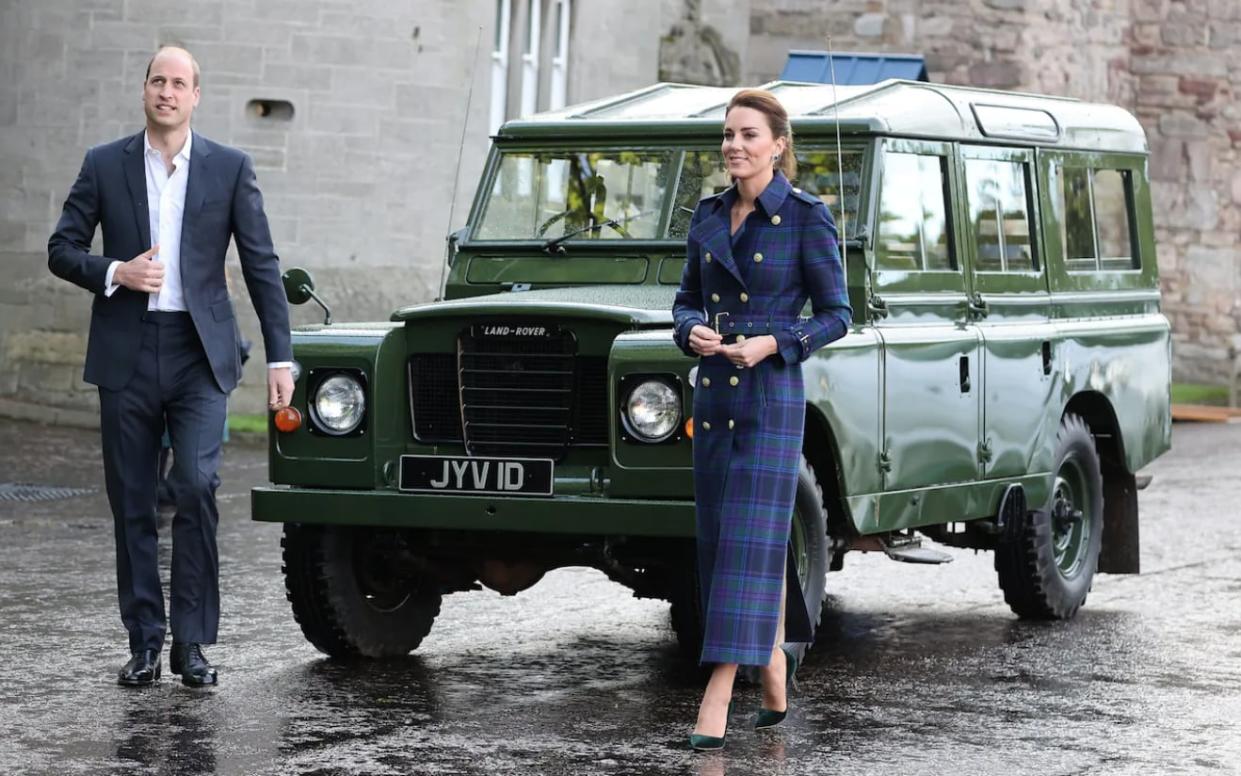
(1072, 517)
(383, 588)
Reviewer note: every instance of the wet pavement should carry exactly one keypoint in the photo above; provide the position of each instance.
(917, 670)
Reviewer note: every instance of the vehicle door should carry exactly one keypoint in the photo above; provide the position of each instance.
(920, 306)
(1010, 306)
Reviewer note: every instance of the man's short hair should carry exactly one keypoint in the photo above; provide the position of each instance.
(193, 62)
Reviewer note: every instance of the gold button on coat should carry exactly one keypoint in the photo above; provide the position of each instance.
(715, 297)
(706, 382)
(708, 257)
(734, 380)
(775, 220)
(745, 297)
(740, 338)
(758, 257)
(706, 426)
(730, 423)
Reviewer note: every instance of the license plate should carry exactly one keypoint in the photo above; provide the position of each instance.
(485, 476)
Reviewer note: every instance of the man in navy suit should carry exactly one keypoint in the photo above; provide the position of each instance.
(163, 347)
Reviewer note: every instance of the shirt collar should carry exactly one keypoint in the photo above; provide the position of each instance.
(769, 201)
(181, 156)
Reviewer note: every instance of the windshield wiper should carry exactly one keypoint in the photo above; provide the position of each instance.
(554, 245)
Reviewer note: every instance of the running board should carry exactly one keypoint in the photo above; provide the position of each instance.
(916, 554)
(906, 549)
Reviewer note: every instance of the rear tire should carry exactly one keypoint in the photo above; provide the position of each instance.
(808, 536)
(348, 601)
(1046, 564)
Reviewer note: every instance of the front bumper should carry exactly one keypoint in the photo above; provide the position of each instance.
(590, 515)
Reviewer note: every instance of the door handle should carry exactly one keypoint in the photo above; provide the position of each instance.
(964, 376)
(1046, 357)
(878, 308)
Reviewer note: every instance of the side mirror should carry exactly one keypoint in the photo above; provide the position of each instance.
(299, 288)
(298, 285)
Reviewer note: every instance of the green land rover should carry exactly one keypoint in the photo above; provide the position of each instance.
(1006, 375)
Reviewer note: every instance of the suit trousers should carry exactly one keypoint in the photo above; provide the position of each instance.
(172, 387)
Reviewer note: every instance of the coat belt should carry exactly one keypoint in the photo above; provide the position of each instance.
(730, 323)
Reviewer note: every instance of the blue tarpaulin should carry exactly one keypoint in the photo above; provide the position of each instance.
(852, 69)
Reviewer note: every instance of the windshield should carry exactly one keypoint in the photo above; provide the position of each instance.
(574, 195)
(539, 196)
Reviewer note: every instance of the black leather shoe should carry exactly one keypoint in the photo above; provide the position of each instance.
(189, 661)
(141, 670)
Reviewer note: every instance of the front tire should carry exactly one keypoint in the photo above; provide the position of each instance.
(1047, 563)
(808, 537)
(349, 595)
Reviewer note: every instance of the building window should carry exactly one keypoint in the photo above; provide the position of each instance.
(560, 59)
(530, 60)
(499, 65)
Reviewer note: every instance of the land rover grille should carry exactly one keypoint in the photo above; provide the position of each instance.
(510, 390)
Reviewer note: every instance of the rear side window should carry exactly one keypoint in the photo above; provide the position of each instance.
(1096, 228)
(999, 205)
(912, 234)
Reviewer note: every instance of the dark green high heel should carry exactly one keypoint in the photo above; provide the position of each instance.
(701, 743)
(768, 718)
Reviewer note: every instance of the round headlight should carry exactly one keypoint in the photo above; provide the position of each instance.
(339, 404)
(653, 410)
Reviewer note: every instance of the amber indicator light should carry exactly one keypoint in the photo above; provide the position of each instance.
(288, 419)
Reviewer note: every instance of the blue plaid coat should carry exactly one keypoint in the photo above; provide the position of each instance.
(748, 423)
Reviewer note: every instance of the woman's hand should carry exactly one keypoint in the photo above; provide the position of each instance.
(750, 352)
(705, 341)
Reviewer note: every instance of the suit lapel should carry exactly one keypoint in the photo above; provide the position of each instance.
(196, 186)
(712, 233)
(136, 178)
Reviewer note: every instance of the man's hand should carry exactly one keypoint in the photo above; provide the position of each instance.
(279, 387)
(704, 340)
(141, 273)
(752, 351)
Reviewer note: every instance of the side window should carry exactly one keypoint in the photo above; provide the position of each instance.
(1095, 226)
(1111, 212)
(999, 205)
(912, 235)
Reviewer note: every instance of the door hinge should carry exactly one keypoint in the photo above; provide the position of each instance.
(885, 462)
(878, 308)
(984, 452)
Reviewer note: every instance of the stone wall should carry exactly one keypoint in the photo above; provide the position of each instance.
(1186, 57)
(357, 184)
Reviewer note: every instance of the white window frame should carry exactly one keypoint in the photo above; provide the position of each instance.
(530, 60)
(560, 61)
(499, 64)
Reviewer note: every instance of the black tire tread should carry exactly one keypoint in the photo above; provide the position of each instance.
(317, 596)
(1026, 564)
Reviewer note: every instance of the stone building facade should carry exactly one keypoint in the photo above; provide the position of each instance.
(354, 113)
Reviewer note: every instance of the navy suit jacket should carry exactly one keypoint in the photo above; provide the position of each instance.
(222, 201)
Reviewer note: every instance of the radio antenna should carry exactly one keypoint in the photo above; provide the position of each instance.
(840, 161)
(456, 176)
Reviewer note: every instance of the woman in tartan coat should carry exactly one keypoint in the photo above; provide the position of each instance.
(756, 252)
